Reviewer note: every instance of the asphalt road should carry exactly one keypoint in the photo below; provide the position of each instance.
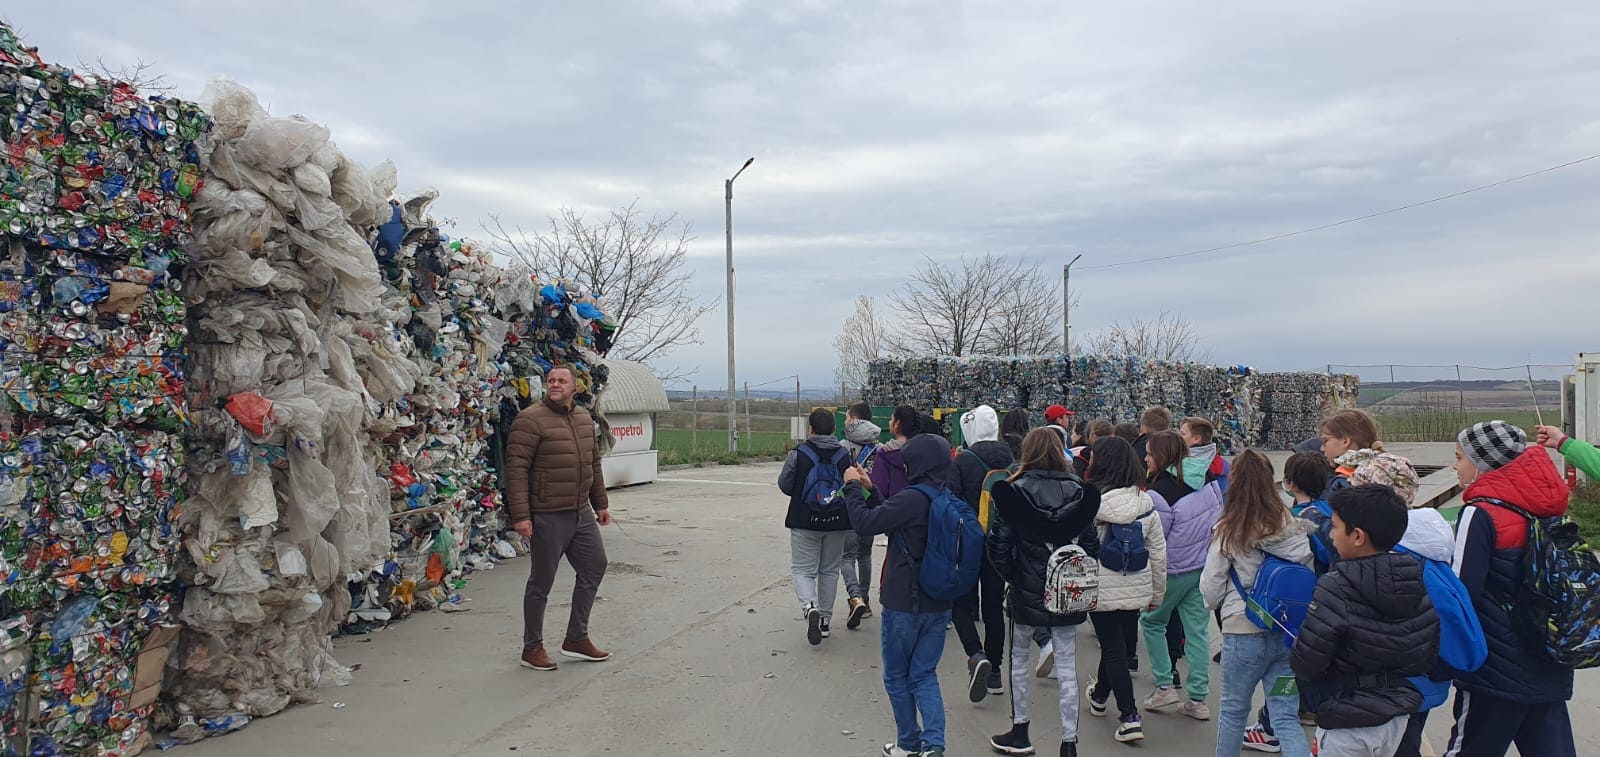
(711, 658)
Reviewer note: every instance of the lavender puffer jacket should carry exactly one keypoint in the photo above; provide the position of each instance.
(1188, 524)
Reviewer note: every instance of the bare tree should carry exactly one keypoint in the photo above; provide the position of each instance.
(140, 75)
(1168, 337)
(863, 338)
(948, 310)
(634, 265)
(1026, 317)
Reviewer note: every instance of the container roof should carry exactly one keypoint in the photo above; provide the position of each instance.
(632, 388)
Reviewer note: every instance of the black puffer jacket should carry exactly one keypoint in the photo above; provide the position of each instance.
(1371, 625)
(1034, 514)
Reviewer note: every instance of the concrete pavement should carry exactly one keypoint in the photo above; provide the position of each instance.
(711, 658)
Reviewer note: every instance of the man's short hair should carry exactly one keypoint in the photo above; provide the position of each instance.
(1374, 508)
(563, 367)
(822, 423)
(860, 411)
(1202, 428)
(1155, 418)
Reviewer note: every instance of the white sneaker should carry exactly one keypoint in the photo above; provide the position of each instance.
(1165, 696)
(893, 750)
(1047, 662)
(1196, 710)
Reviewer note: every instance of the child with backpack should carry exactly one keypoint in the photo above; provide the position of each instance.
(812, 476)
(1254, 532)
(1133, 576)
(1520, 694)
(1370, 626)
(1042, 541)
(861, 440)
(1187, 518)
(979, 465)
(1462, 647)
(915, 611)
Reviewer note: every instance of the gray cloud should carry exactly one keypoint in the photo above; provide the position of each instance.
(884, 132)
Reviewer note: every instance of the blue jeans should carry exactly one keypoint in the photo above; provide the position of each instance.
(912, 645)
(1248, 660)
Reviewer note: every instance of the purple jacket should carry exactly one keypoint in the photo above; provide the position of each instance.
(1187, 524)
(889, 472)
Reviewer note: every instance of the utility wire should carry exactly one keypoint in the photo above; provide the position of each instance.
(1325, 226)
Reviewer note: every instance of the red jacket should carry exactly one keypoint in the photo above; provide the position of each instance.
(1530, 482)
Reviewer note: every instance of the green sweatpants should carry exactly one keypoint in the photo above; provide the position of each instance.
(1183, 597)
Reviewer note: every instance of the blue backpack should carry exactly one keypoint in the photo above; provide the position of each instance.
(823, 482)
(1462, 646)
(955, 546)
(1123, 550)
(1280, 598)
(1321, 548)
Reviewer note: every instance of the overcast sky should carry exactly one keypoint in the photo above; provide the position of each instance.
(884, 132)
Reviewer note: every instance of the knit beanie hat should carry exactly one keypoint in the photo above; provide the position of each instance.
(1492, 444)
(1388, 470)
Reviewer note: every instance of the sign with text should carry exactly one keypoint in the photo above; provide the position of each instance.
(632, 433)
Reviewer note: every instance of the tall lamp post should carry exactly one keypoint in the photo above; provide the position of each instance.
(733, 404)
(1066, 308)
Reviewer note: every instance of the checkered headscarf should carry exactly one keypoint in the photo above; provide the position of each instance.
(1492, 444)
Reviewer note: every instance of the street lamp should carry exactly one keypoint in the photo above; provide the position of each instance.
(1066, 308)
(733, 404)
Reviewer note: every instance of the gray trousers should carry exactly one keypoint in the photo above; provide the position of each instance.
(576, 535)
(1373, 741)
(814, 558)
(857, 565)
(1064, 645)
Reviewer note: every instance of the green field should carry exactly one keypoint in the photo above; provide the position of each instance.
(677, 447)
(1442, 426)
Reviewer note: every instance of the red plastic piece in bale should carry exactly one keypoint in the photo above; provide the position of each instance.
(251, 410)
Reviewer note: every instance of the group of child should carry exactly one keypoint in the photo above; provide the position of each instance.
(1181, 537)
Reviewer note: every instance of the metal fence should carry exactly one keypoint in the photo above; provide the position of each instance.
(1431, 403)
(696, 428)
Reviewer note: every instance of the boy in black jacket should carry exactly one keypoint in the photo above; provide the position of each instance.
(1370, 626)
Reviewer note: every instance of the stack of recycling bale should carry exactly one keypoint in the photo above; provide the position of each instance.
(284, 294)
(444, 502)
(1249, 408)
(1291, 403)
(94, 208)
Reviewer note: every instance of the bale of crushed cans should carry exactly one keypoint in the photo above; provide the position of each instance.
(1249, 408)
(94, 214)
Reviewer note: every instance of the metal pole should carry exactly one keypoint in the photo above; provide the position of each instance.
(1461, 396)
(797, 412)
(1391, 373)
(747, 427)
(1066, 307)
(733, 431)
(733, 400)
(694, 428)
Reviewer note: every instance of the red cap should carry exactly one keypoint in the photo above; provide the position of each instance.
(1055, 412)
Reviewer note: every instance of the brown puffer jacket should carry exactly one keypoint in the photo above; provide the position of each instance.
(552, 462)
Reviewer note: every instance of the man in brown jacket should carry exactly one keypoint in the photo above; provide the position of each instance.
(556, 498)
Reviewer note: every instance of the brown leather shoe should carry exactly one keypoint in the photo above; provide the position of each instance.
(584, 650)
(537, 659)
